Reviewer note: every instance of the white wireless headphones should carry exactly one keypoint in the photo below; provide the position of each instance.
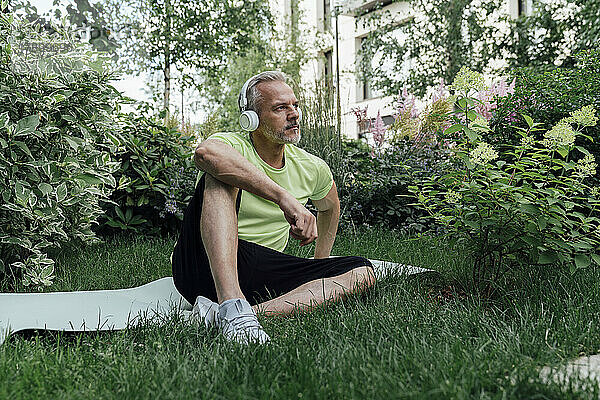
(249, 118)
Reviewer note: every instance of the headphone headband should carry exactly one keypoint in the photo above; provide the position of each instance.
(242, 99)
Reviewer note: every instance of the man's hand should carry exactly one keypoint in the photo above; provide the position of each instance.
(303, 224)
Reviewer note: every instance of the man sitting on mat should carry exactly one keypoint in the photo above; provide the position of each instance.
(248, 201)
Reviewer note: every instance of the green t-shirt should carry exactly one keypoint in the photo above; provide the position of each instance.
(304, 175)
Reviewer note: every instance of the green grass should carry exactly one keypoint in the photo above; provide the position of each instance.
(395, 341)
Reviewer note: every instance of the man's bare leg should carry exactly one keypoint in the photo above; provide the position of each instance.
(218, 227)
(318, 291)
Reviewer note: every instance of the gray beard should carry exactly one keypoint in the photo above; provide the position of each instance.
(279, 137)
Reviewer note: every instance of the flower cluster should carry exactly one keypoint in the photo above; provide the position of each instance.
(560, 136)
(595, 191)
(585, 116)
(488, 97)
(466, 80)
(452, 197)
(171, 206)
(527, 141)
(406, 104)
(586, 166)
(360, 113)
(378, 131)
(483, 154)
(440, 92)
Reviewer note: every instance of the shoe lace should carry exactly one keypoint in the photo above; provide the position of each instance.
(245, 322)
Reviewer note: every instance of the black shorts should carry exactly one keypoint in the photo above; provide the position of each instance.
(263, 273)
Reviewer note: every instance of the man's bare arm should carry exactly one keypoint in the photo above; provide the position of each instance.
(327, 222)
(226, 164)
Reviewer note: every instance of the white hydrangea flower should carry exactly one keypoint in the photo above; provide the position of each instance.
(453, 197)
(466, 80)
(483, 154)
(562, 135)
(586, 166)
(585, 116)
(527, 141)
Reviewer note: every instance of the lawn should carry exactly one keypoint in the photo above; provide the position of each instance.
(420, 337)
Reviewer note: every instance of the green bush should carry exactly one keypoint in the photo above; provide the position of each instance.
(56, 110)
(549, 97)
(401, 155)
(155, 178)
(376, 191)
(523, 204)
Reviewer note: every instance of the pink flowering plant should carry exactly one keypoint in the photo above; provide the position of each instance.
(398, 156)
(524, 204)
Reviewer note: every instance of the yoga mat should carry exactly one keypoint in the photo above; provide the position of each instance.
(102, 310)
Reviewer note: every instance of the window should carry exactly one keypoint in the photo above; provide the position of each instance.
(524, 7)
(328, 66)
(393, 66)
(365, 127)
(370, 6)
(366, 90)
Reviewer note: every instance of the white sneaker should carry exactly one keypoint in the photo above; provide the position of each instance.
(205, 310)
(237, 321)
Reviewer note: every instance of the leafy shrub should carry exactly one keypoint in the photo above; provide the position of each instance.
(549, 97)
(401, 155)
(155, 178)
(525, 204)
(376, 191)
(55, 120)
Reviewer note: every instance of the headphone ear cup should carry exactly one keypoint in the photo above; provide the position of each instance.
(249, 120)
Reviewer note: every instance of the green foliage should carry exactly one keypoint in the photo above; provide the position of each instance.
(86, 18)
(183, 35)
(55, 163)
(284, 49)
(445, 35)
(553, 32)
(549, 97)
(528, 203)
(155, 177)
(223, 93)
(402, 155)
(376, 192)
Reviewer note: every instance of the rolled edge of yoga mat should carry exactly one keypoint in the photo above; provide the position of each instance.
(101, 310)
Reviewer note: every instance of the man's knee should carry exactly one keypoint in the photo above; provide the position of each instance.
(364, 276)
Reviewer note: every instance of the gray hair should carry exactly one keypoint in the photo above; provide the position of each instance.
(253, 95)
